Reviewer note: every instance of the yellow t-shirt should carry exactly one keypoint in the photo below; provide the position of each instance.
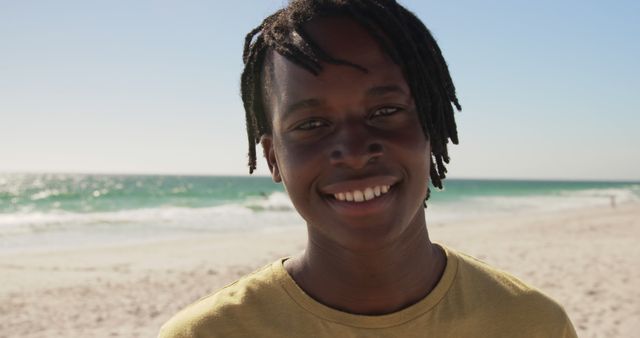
(472, 300)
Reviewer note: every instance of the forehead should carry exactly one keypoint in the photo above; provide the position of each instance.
(342, 39)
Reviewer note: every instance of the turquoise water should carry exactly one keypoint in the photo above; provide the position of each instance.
(47, 193)
(102, 193)
(53, 207)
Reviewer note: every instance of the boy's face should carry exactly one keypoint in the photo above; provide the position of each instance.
(345, 131)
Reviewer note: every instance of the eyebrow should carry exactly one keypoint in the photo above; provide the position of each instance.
(303, 104)
(314, 103)
(383, 90)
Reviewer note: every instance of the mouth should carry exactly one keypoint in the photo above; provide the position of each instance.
(359, 196)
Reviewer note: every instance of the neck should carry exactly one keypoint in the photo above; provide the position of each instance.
(370, 282)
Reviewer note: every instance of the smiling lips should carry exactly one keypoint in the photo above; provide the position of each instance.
(361, 189)
(362, 195)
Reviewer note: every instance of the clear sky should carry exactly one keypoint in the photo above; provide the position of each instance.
(549, 89)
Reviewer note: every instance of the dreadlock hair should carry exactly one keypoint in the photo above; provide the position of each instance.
(400, 34)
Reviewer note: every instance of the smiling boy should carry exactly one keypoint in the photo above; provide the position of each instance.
(352, 103)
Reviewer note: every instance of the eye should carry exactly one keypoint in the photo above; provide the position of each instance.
(384, 111)
(310, 125)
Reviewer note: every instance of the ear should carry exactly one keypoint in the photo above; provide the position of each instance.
(270, 155)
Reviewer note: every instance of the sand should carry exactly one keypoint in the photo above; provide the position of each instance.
(588, 260)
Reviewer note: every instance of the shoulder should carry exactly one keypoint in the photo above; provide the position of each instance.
(491, 293)
(219, 313)
(480, 276)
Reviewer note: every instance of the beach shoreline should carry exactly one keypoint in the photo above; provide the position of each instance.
(583, 258)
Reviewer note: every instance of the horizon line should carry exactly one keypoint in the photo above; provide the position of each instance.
(200, 174)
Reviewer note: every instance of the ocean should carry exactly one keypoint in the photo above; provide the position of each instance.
(62, 211)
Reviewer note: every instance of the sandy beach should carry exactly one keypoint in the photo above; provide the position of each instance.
(586, 259)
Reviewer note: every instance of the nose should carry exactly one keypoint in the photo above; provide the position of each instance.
(355, 147)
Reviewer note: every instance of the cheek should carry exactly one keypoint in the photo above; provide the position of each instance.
(298, 163)
(299, 166)
(410, 138)
(412, 150)
(413, 140)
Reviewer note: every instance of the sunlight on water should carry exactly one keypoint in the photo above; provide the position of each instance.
(52, 205)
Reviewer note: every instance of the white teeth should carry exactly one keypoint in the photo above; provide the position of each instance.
(358, 196)
(368, 194)
(361, 196)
